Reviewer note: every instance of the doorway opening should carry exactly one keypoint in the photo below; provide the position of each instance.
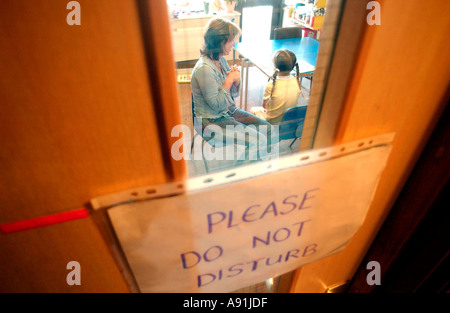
(256, 23)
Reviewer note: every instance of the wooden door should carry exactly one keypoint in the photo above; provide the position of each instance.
(412, 246)
(86, 110)
(81, 115)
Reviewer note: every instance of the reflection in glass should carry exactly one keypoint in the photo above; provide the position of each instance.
(254, 56)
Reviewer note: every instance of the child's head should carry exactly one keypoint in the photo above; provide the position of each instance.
(284, 60)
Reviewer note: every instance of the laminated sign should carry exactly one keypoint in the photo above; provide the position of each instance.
(233, 229)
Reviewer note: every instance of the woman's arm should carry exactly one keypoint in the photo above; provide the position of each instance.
(237, 82)
(233, 75)
(217, 96)
(229, 82)
(233, 79)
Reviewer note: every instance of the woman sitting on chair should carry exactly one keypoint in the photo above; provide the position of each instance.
(215, 84)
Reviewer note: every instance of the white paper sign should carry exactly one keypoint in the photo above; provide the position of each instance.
(235, 235)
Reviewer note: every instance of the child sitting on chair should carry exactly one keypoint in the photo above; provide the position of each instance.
(285, 95)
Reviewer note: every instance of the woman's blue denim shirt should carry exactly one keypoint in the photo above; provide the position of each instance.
(211, 98)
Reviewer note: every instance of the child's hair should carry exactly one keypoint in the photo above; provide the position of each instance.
(285, 60)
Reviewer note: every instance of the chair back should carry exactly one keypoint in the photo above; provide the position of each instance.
(287, 32)
(291, 125)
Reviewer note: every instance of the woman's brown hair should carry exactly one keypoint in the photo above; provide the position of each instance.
(218, 32)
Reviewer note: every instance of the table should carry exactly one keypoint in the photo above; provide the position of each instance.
(260, 55)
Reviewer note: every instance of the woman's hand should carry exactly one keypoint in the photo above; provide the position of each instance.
(235, 74)
(235, 71)
(235, 68)
(234, 77)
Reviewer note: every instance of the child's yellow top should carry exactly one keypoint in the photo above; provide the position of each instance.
(285, 95)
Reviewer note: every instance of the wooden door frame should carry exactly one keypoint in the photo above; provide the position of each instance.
(333, 128)
(156, 37)
(402, 245)
(328, 98)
